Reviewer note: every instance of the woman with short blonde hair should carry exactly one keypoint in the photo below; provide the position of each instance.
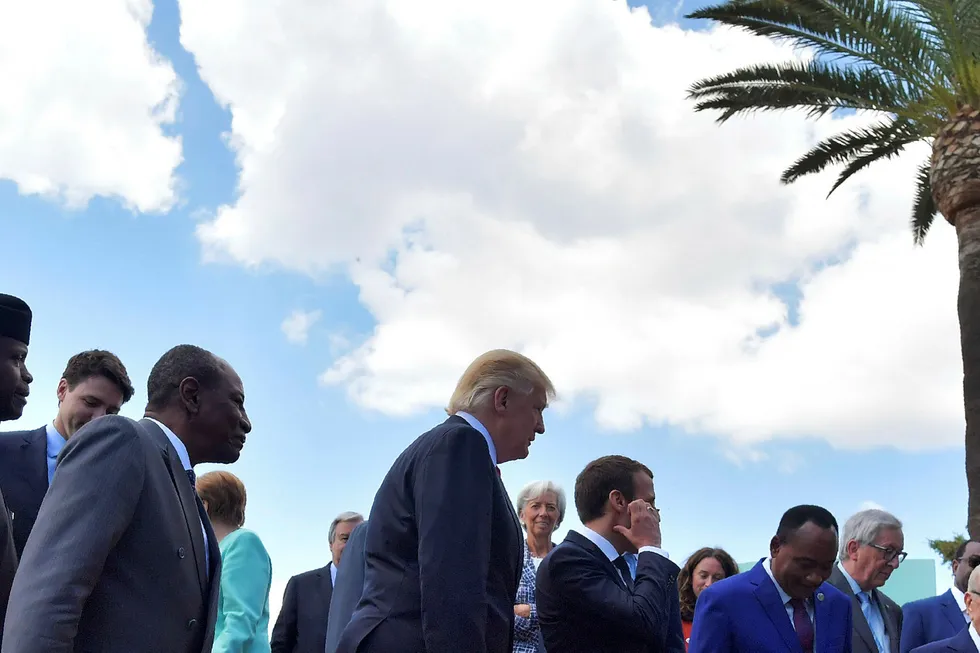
(246, 569)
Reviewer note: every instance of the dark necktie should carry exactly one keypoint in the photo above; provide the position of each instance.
(624, 570)
(498, 470)
(192, 477)
(801, 621)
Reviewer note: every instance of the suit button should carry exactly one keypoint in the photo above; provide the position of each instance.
(180, 553)
(191, 624)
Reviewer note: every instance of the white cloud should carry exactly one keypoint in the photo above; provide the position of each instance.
(870, 505)
(84, 100)
(531, 176)
(297, 326)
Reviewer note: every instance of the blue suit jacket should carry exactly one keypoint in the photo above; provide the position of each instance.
(745, 614)
(347, 590)
(930, 620)
(958, 643)
(243, 600)
(443, 553)
(24, 478)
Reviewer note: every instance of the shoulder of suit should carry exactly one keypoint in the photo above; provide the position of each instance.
(248, 538)
(922, 604)
(13, 439)
(313, 573)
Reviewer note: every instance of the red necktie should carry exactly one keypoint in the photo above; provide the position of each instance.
(498, 470)
(801, 621)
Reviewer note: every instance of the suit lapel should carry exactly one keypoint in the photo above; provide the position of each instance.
(952, 611)
(822, 620)
(861, 626)
(768, 596)
(891, 623)
(188, 503)
(604, 561)
(35, 470)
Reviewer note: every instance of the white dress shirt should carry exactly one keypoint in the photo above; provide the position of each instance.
(961, 602)
(333, 574)
(610, 551)
(975, 636)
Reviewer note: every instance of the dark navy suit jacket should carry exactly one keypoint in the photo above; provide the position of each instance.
(443, 553)
(746, 614)
(930, 620)
(24, 478)
(584, 605)
(958, 643)
(302, 623)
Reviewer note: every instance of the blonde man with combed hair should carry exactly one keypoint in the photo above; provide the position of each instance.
(443, 552)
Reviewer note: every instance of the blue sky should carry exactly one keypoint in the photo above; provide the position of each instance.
(106, 276)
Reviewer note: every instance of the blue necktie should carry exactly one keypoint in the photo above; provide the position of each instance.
(873, 619)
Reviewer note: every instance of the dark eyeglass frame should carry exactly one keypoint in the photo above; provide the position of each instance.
(891, 554)
(972, 561)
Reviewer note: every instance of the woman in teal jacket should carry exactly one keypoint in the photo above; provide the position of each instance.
(246, 570)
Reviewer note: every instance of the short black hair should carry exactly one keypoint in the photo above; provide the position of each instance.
(795, 518)
(98, 362)
(181, 362)
(961, 549)
(599, 478)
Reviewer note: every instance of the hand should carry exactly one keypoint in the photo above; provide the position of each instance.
(644, 527)
(523, 610)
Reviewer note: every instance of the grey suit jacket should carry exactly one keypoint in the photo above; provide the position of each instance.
(347, 589)
(862, 640)
(116, 560)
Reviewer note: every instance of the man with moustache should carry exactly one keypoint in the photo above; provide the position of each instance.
(587, 599)
(15, 381)
(871, 549)
(122, 557)
(443, 546)
(94, 383)
(783, 604)
(940, 617)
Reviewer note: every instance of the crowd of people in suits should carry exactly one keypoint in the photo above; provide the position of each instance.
(109, 542)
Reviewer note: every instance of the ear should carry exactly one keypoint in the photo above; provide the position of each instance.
(774, 545)
(190, 395)
(852, 548)
(618, 501)
(500, 398)
(62, 390)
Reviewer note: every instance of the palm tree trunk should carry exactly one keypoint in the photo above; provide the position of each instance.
(955, 181)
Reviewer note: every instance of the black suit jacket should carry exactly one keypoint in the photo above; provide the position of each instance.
(443, 552)
(302, 623)
(116, 560)
(862, 641)
(24, 478)
(8, 560)
(585, 607)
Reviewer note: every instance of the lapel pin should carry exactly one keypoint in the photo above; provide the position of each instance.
(820, 596)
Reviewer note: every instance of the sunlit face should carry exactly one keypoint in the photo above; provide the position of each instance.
(91, 398)
(540, 515)
(963, 567)
(871, 565)
(803, 562)
(521, 419)
(340, 536)
(707, 572)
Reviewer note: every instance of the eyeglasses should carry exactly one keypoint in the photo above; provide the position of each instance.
(972, 561)
(891, 554)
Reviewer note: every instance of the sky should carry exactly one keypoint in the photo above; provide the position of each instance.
(350, 201)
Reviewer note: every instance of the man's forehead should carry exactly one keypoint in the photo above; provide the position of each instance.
(12, 345)
(889, 535)
(971, 549)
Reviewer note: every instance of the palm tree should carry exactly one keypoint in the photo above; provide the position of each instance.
(915, 64)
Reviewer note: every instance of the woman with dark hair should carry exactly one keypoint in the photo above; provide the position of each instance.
(704, 567)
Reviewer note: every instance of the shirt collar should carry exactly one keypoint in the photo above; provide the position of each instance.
(767, 565)
(604, 545)
(475, 423)
(56, 441)
(185, 459)
(850, 581)
(975, 636)
(959, 598)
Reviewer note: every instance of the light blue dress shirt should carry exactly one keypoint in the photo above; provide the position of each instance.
(56, 442)
(243, 597)
(475, 423)
(872, 613)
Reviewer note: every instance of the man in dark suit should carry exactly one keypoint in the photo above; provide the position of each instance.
(783, 604)
(15, 381)
(444, 548)
(347, 590)
(940, 617)
(122, 557)
(302, 623)
(967, 640)
(95, 383)
(871, 547)
(587, 599)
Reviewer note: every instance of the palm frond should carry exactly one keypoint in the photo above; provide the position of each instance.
(841, 148)
(876, 153)
(816, 86)
(924, 210)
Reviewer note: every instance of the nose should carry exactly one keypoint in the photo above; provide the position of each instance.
(894, 562)
(246, 424)
(27, 377)
(708, 582)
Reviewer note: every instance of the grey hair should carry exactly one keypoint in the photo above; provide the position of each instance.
(340, 519)
(535, 489)
(974, 583)
(864, 527)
